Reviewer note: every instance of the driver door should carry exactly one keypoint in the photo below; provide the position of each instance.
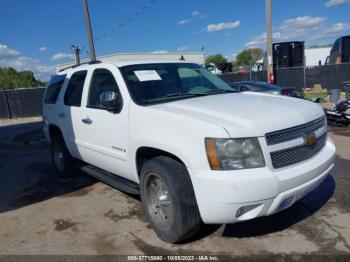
(103, 136)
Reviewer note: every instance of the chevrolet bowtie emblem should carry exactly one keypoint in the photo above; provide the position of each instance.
(310, 139)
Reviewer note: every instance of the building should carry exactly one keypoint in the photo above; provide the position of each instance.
(194, 57)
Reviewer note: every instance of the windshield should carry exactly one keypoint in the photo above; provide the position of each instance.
(154, 83)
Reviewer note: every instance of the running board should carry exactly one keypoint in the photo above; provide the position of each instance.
(112, 180)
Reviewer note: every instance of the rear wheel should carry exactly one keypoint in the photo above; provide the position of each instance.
(168, 198)
(61, 158)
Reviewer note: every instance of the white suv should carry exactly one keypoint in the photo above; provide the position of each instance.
(194, 149)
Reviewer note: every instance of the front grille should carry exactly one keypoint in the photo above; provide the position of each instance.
(294, 132)
(297, 154)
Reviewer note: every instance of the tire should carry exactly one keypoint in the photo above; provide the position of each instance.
(168, 199)
(61, 158)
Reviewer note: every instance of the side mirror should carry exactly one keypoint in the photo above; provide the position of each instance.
(110, 100)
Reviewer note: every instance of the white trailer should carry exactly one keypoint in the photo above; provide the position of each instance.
(316, 54)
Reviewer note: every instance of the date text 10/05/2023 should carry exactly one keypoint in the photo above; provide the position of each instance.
(173, 258)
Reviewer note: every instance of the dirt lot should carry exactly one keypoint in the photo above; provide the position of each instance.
(41, 214)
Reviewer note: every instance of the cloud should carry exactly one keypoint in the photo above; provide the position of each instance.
(61, 57)
(333, 31)
(5, 52)
(184, 21)
(195, 13)
(43, 49)
(13, 58)
(222, 26)
(23, 63)
(291, 29)
(160, 52)
(260, 41)
(232, 56)
(182, 48)
(333, 3)
(302, 22)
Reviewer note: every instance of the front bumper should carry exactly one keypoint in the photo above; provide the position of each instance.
(233, 196)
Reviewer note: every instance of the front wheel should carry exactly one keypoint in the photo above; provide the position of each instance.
(168, 198)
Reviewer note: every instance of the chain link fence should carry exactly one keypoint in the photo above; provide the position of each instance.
(328, 76)
(21, 103)
(4, 107)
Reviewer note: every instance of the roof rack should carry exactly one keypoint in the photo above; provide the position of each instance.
(86, 63)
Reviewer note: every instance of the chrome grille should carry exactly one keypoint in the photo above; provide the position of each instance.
(297, 154)
(294, 132)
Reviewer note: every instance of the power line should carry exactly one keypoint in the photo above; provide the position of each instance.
(126, 21)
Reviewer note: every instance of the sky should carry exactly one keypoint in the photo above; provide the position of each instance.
(38, 34)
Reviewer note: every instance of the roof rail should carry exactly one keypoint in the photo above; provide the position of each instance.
(86, 63)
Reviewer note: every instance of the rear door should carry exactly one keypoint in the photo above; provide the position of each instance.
(70, 113)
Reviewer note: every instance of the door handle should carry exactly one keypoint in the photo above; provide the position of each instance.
(87, 120)
(61, 115)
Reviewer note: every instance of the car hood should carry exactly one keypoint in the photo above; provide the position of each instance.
(246, 114)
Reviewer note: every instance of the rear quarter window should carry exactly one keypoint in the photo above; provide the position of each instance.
(53, 89)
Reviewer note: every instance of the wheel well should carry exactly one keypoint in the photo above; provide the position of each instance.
(144, 154)
(54, 130)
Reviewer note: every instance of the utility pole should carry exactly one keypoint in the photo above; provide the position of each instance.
(270, 75)
(89, 31)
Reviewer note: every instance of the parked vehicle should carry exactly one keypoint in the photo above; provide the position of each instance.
(340, 52)
(339, 115)
(289, 91)
(258, 86)
(195, 150)
(213, 69)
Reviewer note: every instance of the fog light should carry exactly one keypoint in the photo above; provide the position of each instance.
(242, 210)
(286, 203)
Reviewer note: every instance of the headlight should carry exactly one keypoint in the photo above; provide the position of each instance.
(233, 154)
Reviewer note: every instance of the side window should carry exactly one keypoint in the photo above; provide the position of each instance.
(335, 47)
(346, 50)
(74, 90)
(102, 81)
(54, 89)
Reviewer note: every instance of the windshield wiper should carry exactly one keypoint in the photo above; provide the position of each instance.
(221, 91)
(187, 95)
(173, 96)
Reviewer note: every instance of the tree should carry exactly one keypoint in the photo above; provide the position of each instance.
(218, 60)
(11, 79)
(249, 56)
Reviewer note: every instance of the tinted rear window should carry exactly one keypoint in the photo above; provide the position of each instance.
(54, 89)
(75, 89)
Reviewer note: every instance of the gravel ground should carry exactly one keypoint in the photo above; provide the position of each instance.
(41, 214)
